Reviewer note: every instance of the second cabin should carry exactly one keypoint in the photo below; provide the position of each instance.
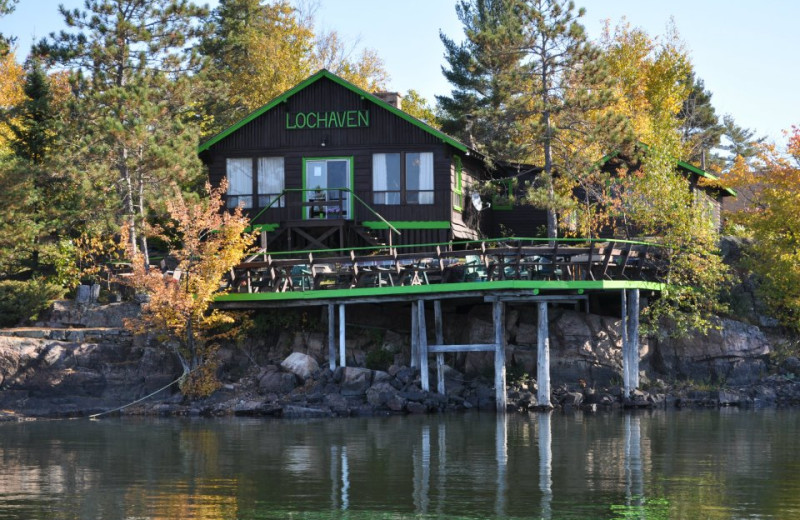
(328, 165)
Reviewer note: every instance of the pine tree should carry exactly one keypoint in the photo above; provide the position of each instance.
(485, 106)
(741, 142)
(699, 123)
(6, 7)
(570, 91)
(133, 128)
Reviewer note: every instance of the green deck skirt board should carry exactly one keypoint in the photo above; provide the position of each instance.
(410, 290)
(407, 224)
(262, 227)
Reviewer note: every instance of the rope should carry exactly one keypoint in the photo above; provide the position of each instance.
(186, 372)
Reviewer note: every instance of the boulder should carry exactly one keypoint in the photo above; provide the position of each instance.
(355, 381)
(274, 382)
(301, 365)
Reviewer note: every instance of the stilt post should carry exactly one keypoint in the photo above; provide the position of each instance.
(423, 347)
(331, 337)
(498, 314)
(342, 358)
(633, 337)
(543, 357)
(437, 318)
(414, 335)
(626, 356)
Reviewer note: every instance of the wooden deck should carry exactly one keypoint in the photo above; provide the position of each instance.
(480, 266)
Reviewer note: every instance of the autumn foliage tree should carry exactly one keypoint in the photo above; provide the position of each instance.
(206, 242)
(771, 218)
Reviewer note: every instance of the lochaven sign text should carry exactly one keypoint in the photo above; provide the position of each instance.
(332, 119)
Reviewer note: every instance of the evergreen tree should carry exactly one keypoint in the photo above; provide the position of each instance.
(741, 142)
(571, 91)
(486, 104)
(132, 123)
(699, 123)
(6, 7)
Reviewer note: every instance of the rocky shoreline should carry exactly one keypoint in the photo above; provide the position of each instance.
(82, 362)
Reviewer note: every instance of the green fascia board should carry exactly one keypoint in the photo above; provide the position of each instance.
(407, 224)
(262, 227)
(323, 73)
(411, 290)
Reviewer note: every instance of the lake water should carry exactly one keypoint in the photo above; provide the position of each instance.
(655, 465)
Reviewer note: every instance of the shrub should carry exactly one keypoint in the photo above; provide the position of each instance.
(21, 302)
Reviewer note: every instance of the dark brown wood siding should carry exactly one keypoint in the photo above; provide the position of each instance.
(267, 136)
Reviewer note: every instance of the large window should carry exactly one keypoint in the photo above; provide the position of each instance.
(240, 182)
(402, 178)
(270, 182)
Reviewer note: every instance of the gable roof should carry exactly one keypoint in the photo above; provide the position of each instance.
(323, 73)
(683, 165)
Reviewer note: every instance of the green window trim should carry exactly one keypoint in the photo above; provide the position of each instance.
(458, 189)
(506, 203)
(407, 224)
(351, 161)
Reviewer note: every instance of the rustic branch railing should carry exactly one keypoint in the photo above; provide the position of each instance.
(474, 261)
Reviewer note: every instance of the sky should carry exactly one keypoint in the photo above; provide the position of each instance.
(746, 54)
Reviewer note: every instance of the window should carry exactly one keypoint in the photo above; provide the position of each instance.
(458, 187)
(503, 195)
(240, 182)
(386, 178)
(402, 178)
(270, 182)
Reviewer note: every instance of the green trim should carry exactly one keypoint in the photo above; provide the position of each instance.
(323, 73)
(407, 224)
(532, 285)
(262, 227)
(509, 201)
(349, 189)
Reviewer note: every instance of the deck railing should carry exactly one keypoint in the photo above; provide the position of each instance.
(488, 260)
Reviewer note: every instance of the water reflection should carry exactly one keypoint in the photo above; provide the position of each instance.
(651, 465)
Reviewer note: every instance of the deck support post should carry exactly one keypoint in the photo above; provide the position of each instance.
(633, 337)
(414, 335)
(437, 318)
(342, 358)
(331, 337)
(543, 357)
(423, 347)
(626, 358)
(498, 315)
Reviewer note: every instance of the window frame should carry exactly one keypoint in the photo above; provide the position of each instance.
(404, 192)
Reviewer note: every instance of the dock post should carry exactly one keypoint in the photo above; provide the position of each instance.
(331, 337)
(437, 318)
(633, 337)
(414, 335)
(498, 314)
(543, 357)
(423, 347)
(342, 358)
(626, 356)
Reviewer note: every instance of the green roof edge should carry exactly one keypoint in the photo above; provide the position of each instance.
(324, 73)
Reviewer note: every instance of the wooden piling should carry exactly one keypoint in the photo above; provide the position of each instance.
(414, 335)
(626, 357)
(423, 347)
(543, 357)
(633, 337)
(437, 319)
(498, 314)
(342, 358)
(331, 337)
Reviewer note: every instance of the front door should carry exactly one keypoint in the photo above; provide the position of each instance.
(328, 181)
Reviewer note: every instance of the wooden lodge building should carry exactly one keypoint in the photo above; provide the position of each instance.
(358, 202)
(327, 165)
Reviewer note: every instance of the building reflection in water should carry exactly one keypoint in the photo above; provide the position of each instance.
(501, 455)
(634, 479)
